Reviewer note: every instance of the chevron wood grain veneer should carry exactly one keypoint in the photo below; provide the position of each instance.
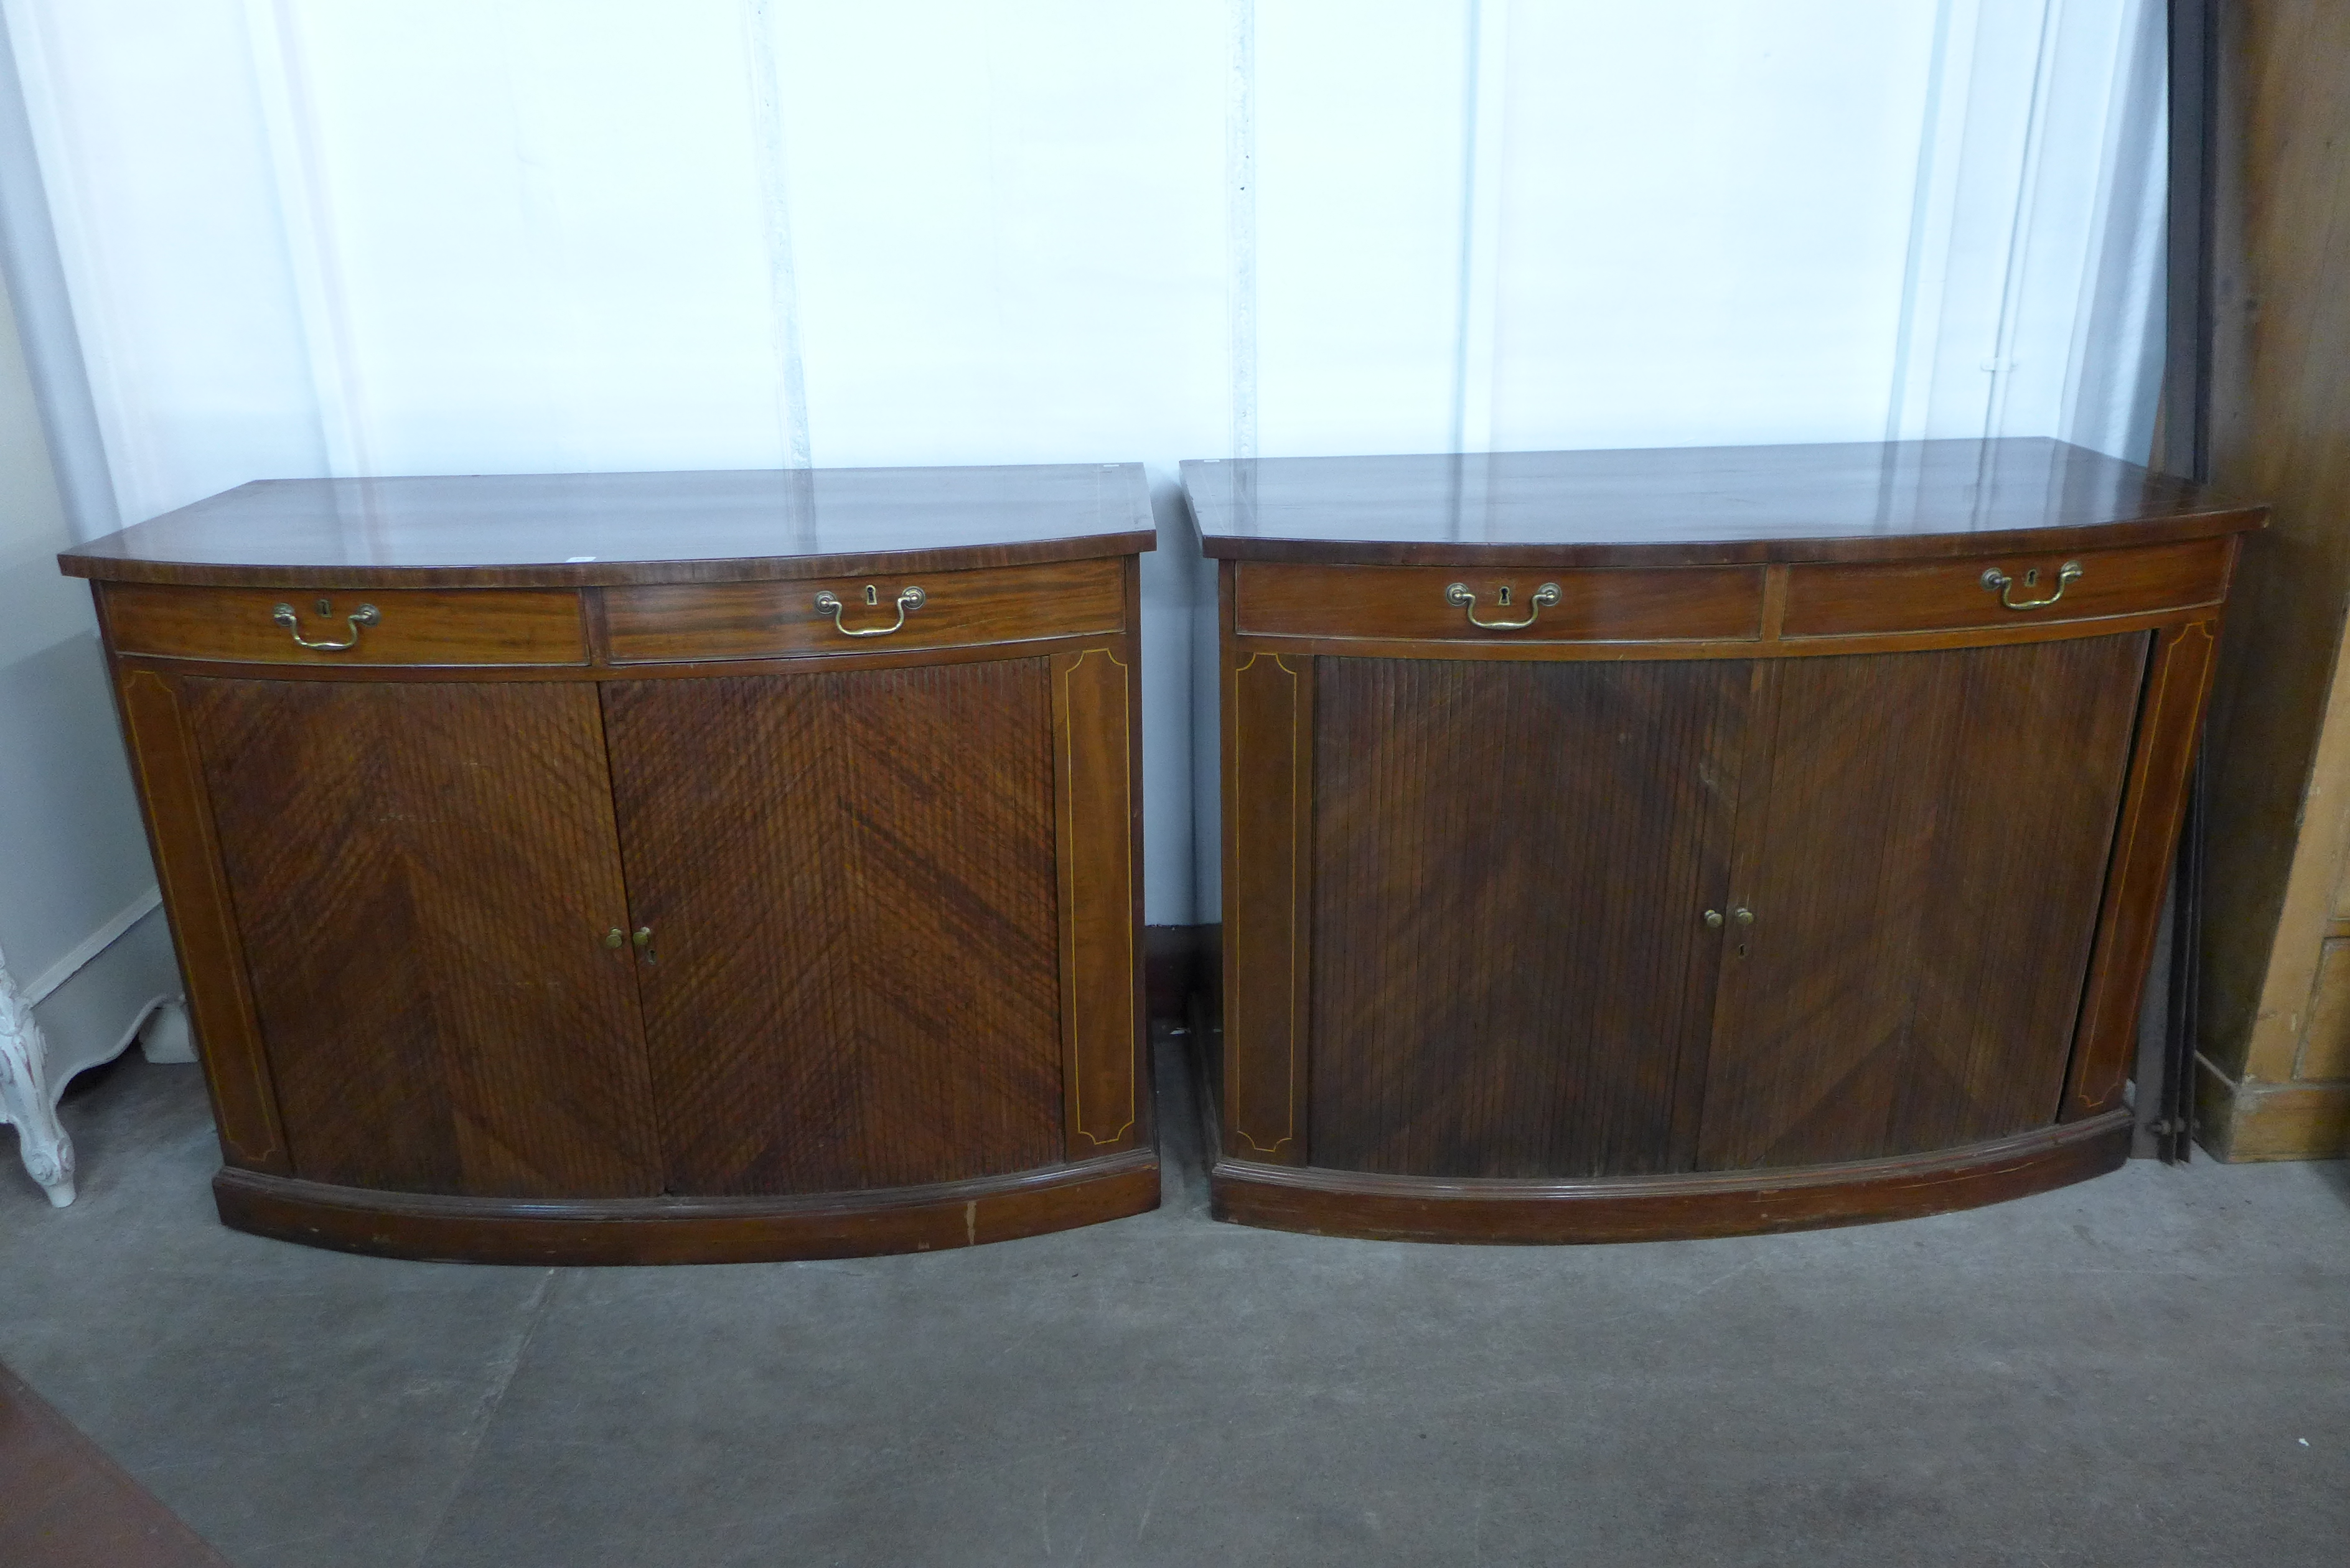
(652, 867)
(1678, 843)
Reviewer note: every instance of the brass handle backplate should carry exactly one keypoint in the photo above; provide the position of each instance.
(829, 603)
(1998, 582)
(1544, 596)
(366, 615)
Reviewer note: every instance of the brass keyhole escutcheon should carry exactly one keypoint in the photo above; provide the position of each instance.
(872, 595)
(1505, 598)
(327, 609)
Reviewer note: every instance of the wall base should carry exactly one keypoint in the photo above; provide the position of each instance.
(2242, 1122)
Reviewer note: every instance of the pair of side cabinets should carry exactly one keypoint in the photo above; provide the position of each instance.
(668, 867)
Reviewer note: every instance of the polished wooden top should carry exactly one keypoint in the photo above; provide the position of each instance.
(572, 529)
(1863, 500)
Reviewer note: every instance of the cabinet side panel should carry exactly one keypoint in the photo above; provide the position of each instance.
(1512, 866)
(849, 881)
(1268, 879)
(425, 873)
(1092, 722)
(2170, 723)
(170, 774)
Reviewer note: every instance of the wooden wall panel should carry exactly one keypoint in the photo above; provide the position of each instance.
(2326, 1048)
(853, 979)
(2280, 432)
(424, 874)
(1933, 838)
(211, 950)
(1511, 969)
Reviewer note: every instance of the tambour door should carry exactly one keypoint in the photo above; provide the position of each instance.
(1919, 871)
(848, 886)
(1510, 863)
(427, 878)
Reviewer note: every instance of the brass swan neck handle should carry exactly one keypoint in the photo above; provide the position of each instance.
(1998, 582)
(829, 603)
(1544, 596)
(364, 616)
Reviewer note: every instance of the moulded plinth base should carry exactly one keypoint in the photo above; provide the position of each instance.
(689, 1230)
(1380, 1207)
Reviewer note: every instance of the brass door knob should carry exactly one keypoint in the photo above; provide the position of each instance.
(1743, 917)
(643, 938)
(1713, 920)
(615, 937)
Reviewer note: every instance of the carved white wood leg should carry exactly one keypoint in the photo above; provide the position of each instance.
(24, 1095)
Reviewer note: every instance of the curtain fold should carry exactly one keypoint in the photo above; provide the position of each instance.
(303, 236)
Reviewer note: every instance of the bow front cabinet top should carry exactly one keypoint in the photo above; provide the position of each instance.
(1677, 843)
(651, 866)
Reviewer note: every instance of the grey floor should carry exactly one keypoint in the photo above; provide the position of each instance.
(2152, 1369)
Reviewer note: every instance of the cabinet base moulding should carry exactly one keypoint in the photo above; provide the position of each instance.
(1665, 1207)
(430, 1227)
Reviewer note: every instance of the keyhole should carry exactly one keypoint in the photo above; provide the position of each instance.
(871, 598)
(1505, 593)
(2032, 577)
(325, 608)
(1742, 950)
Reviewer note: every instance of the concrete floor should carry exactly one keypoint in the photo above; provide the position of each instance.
(2153, 1368)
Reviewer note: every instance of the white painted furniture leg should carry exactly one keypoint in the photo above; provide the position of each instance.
(24, 1095)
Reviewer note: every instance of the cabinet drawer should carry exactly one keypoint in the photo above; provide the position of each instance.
(2004, 590)
(863, 615)
(379, 626)
(1419, 604)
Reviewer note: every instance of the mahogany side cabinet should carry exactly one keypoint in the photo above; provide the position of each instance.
(1685, 843)
(652, 868)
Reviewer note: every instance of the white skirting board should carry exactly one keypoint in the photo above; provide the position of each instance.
(118, 990)
(91, 946)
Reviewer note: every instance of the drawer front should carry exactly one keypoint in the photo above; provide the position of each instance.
(865, 615)
(372, 626)
(2004, 590)
(1544, 605)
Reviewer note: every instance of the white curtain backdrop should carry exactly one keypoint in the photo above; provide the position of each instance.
(420, 236)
